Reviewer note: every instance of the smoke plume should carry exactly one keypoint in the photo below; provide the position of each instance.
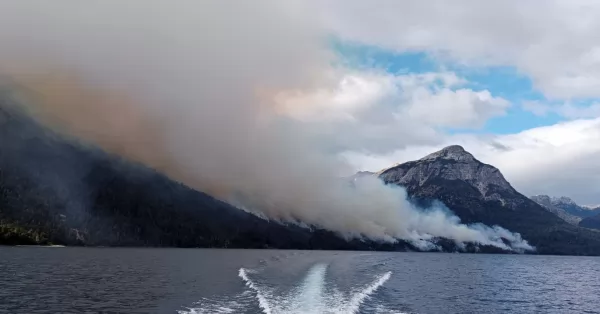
(189, 88)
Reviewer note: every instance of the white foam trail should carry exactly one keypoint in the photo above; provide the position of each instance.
(262, 299)
(359, 297)
(379, 309)
(226, 305)
(312, 297)
(210, 310)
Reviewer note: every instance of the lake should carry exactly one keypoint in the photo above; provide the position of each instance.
(125, 280)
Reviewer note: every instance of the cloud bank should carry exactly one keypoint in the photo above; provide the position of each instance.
(555, 45)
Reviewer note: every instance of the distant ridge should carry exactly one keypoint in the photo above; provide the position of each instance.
(592, 222)
(566, 204)
(551, 206)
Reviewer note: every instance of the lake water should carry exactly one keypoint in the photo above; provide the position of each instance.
(109, 280)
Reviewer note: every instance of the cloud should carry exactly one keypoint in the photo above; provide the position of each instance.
(567, 110)
(354, 93)
(433, 99)
(463, 108)
(379, 111)
(536, 107)
(559, 160)
(555, 45)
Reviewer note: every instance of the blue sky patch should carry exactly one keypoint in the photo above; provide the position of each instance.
(505, 82)
(370, 57)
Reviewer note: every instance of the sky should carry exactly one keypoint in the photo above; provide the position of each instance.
(515, 83)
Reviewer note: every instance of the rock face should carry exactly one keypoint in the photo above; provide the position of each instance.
(552, 206)
(454, 164)
(478, 192)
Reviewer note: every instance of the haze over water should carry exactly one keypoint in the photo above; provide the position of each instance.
(108, 280)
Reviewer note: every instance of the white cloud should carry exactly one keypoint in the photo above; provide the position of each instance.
(434, 79)
(352, 94)
(431, 99)
(536, 107)
(460, 108)
(567, 110)
(555, 44)
(577, 112)
(375, 111)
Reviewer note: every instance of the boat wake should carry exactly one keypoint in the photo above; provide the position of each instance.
(312, 295)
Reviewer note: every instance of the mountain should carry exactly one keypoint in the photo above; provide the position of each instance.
(55, 190)
(566, 204)
(592, 222)
(359, 175)
(552, 206)
(570, 211)
(478, 192)
(595, 208)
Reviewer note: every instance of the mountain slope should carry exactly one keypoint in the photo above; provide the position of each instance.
(54, 190)
(595, 209)
(478, 192)
(570, 211)
(550, 205)
(567, 205)
(592, 222)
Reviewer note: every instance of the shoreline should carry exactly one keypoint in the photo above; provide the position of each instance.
(36, 245)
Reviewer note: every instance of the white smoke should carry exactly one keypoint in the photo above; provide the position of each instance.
(189, 88)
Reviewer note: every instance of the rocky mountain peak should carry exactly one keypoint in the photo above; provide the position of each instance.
(542, 199)
(553, 205)
(566, 204)
(553, 201)
(563, 200)
(452, 165)
(453, 152)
